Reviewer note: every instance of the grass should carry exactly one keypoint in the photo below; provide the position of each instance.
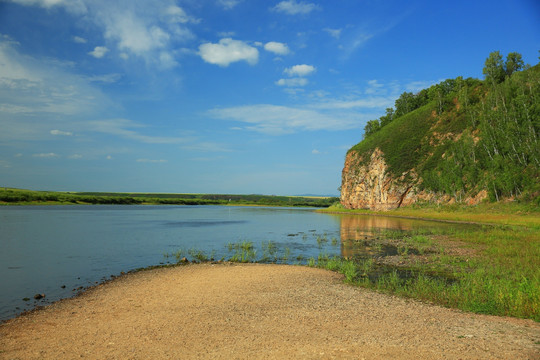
(502, 278)
(501, 213)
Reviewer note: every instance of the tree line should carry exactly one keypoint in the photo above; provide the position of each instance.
(488, 131)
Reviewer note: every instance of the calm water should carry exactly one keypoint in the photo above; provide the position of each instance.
(46, 248)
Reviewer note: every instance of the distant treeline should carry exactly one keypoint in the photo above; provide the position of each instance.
(18, 196)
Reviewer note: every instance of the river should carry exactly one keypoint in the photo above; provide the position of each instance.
(59, 250)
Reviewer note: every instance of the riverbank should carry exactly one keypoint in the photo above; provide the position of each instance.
(256, 311)
(492, 269)
(501, 213)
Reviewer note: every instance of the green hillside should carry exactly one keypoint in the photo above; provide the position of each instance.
(462, 136)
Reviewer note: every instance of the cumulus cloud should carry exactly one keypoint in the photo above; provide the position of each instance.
(277, 48)
(146, 29)
(228, 51)
(300, 70)
(294, 82)
(292, 7)
(61, 133)
(99, 52)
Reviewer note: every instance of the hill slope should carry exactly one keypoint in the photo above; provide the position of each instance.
(463, 140)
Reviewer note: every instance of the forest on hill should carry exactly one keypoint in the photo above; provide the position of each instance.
(464, 136)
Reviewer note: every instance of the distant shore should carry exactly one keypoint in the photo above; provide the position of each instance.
(11, 196)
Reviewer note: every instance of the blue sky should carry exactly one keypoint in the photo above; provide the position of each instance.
(223, 96)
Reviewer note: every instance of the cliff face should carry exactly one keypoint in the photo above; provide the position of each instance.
(371, 186)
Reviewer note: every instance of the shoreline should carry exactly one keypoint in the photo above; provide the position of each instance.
(255, 310)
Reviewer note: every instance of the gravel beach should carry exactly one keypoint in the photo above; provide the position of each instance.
(234, 311)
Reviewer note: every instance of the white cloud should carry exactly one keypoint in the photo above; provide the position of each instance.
(123, 128)
(416, 86)
(300, 70)
(227, 34)
(315, 152)
(178, 15)
(278, 120)
(99, 52)
(146, 29)
(161, 161)
(30, 86)
(277, 48)
(79, 40)
(292, 7)
(229, 4)
(228, 51)
(354, 42)
(372, 102)
(74, 6)
(75, 156)
(107, 78)
(5, 164)
(207, 147)
(46, 155)
(292, 82)
(61, 133)
(336, 33)
(166, 60)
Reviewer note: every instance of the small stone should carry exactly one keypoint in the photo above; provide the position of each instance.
(39, 296)
(63, 286)
(26, 299)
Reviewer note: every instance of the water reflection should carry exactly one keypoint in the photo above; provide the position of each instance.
(357, 227)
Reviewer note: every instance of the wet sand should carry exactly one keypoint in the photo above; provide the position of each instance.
(251, 311)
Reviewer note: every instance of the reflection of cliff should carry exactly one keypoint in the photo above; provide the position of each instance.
(356, 227)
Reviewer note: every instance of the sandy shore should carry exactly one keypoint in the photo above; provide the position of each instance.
(256, 311)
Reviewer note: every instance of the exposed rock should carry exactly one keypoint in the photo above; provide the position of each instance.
(39, 296)
(369, 185)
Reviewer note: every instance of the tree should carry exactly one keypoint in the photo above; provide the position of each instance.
(387, 119)
(494, 68)
(514, 63)
(404, 104)
(371, 127)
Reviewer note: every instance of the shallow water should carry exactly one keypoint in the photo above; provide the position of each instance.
(56, 250)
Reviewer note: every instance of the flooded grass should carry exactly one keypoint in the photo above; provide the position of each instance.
(484, 269)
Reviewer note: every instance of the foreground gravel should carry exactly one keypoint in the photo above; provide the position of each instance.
(251, 311)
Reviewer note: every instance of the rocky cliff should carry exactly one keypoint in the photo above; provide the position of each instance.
(368, 184)
(462, 140)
